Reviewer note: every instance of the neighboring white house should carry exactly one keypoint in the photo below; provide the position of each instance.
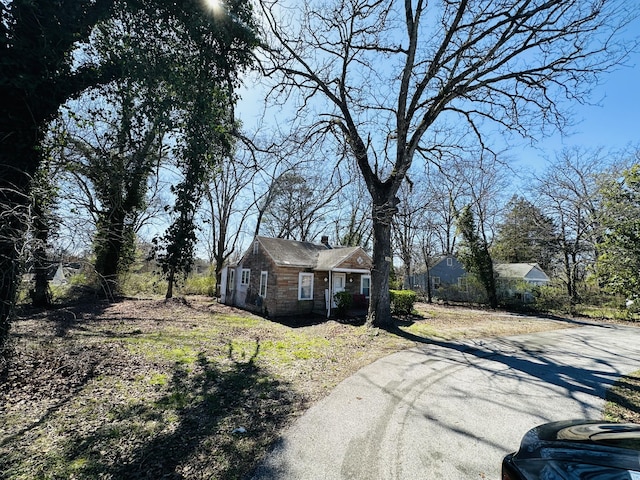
(509, 275)
(529, 272)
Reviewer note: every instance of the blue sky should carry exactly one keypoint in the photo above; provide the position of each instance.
(614, 123)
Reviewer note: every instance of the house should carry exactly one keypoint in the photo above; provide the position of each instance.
(512, 277)
(528, 272)
(445, 272)
(57, 272)
(278, 277)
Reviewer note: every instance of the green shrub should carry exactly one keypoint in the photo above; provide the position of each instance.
(199, 285)
(551, 299)
(344, 300)
(402, 301)
(143, 283)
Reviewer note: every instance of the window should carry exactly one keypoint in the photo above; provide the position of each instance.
(263, 284)
(449, 262)
(232, 277)
(365, 285)
(435, 282)
(255, 247)
(246, 275)
(305, 286)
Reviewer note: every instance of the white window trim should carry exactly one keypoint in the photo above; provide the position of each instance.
(302, 275)
(264, 275)
(435, 282)
(245, 280)
(449, 262)
(362, 278)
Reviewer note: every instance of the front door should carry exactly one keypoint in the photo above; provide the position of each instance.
(339, 281)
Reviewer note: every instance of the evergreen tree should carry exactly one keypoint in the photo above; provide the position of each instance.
(474, 254)
(525, 235)
(619, 262)
(218, 52)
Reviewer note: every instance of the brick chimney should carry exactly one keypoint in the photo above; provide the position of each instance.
(325, 241)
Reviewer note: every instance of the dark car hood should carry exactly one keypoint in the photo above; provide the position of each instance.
(581, 449)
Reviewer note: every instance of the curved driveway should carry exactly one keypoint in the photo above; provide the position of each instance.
(451, 411)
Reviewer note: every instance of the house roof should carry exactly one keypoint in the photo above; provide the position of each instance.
(442, 258)
(331, 258)
(292, 253)
(517, 270)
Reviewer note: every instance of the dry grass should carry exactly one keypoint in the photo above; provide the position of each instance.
(623, 400)
(154, 389)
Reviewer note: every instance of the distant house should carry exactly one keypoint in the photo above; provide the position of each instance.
(528, 272)
(57, 272)
(278, 277)
(446, 271)
(513, 278)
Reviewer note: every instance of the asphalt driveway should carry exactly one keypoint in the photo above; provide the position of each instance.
(451, 411)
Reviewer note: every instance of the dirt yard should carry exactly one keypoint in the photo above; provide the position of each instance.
(188, 388)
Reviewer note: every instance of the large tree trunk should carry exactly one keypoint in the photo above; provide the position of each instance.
(111, 240)
(170, 281)
(19, 160)
(40, 294)
(379, 314)
(9, 278)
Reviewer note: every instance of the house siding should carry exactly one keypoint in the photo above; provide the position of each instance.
(352, 263)
(537, 277)
(447, 274)
(248, 297)
(282, 288)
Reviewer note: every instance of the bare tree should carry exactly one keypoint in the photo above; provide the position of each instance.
(226, 207)
(302, 202)
(113, 151)
(408, 223)
(353, 220)
(485, 181)
(383, 76)
(567, 192)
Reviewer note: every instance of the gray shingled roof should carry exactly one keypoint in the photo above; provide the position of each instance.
(328, 259)
(514, 270)
(291, 253)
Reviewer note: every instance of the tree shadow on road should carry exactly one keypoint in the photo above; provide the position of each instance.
(530, 359)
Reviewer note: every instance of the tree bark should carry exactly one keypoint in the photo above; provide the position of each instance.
(170, 281)
(111, 240)
(429, 293)
(379, 314)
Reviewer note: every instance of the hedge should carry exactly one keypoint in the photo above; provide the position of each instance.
(402, 301)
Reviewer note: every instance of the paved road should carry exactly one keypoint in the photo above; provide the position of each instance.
(451, 411)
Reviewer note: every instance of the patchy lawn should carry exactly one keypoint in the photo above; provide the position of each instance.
(623, 400)
(184, 389)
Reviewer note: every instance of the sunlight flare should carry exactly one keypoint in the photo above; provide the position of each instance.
(214, 6)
